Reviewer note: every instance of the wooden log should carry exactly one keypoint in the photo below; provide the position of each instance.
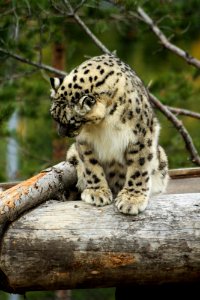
(47, 184)
(66, 245)
(184, 173)
(184, 185)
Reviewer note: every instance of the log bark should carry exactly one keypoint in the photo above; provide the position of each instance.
(48, 184)
(66, 245)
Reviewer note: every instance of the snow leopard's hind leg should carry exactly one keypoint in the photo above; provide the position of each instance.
(160, 176)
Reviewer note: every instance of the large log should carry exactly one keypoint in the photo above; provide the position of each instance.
(62, 245)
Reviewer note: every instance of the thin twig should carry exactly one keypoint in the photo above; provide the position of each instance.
(184, 112)
(79, 5)
(85, 28)
(32, 63)
(180, 127)
(165, 41)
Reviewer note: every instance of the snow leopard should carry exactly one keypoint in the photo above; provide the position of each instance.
(105, 107)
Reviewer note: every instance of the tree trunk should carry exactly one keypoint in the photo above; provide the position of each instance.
(59, 63)
(67, 245)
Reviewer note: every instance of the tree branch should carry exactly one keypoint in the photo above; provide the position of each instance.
(165, 41)
(184, 112)
(79, 5)
(32, 63)
(48, 184)
(180, 127)
(85, 28)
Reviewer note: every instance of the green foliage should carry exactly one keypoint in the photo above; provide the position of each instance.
(91, 294)
(86, 294)
(31, 296)
(101, 27)
(33, 28)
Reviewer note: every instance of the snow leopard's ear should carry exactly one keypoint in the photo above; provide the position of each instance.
(56, 82)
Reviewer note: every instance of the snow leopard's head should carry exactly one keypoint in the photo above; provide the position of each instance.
(83, 96)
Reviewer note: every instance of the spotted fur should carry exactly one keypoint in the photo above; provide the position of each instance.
(106, 107)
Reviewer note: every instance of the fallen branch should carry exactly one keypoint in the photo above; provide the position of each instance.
(49, 183)
(165, 41)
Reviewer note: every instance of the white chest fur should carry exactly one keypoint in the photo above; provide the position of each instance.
(109, 140)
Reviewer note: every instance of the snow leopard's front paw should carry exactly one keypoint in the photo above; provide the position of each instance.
(129, 203)
(98, 197)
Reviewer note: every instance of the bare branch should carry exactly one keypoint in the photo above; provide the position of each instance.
(79, 5)
(85, 28)
(184, 112)
(32, 63)
(165, 41)
(180, 127)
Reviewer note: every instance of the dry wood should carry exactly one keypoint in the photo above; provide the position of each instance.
(184, 186)
(7, 185)
(62, 245)
(184, 173)
(32, 192)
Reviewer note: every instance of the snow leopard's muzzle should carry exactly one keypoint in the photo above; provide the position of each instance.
(70, 118)
(69, 130)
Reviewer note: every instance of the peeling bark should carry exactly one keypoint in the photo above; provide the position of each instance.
(48, 184)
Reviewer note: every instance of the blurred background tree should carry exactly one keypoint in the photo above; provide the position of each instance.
(42, 38)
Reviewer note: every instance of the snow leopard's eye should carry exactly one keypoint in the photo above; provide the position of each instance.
(88, 100)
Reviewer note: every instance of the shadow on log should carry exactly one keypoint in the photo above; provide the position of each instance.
(66, 245)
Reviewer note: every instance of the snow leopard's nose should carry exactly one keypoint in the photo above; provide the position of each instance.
(69, 130)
